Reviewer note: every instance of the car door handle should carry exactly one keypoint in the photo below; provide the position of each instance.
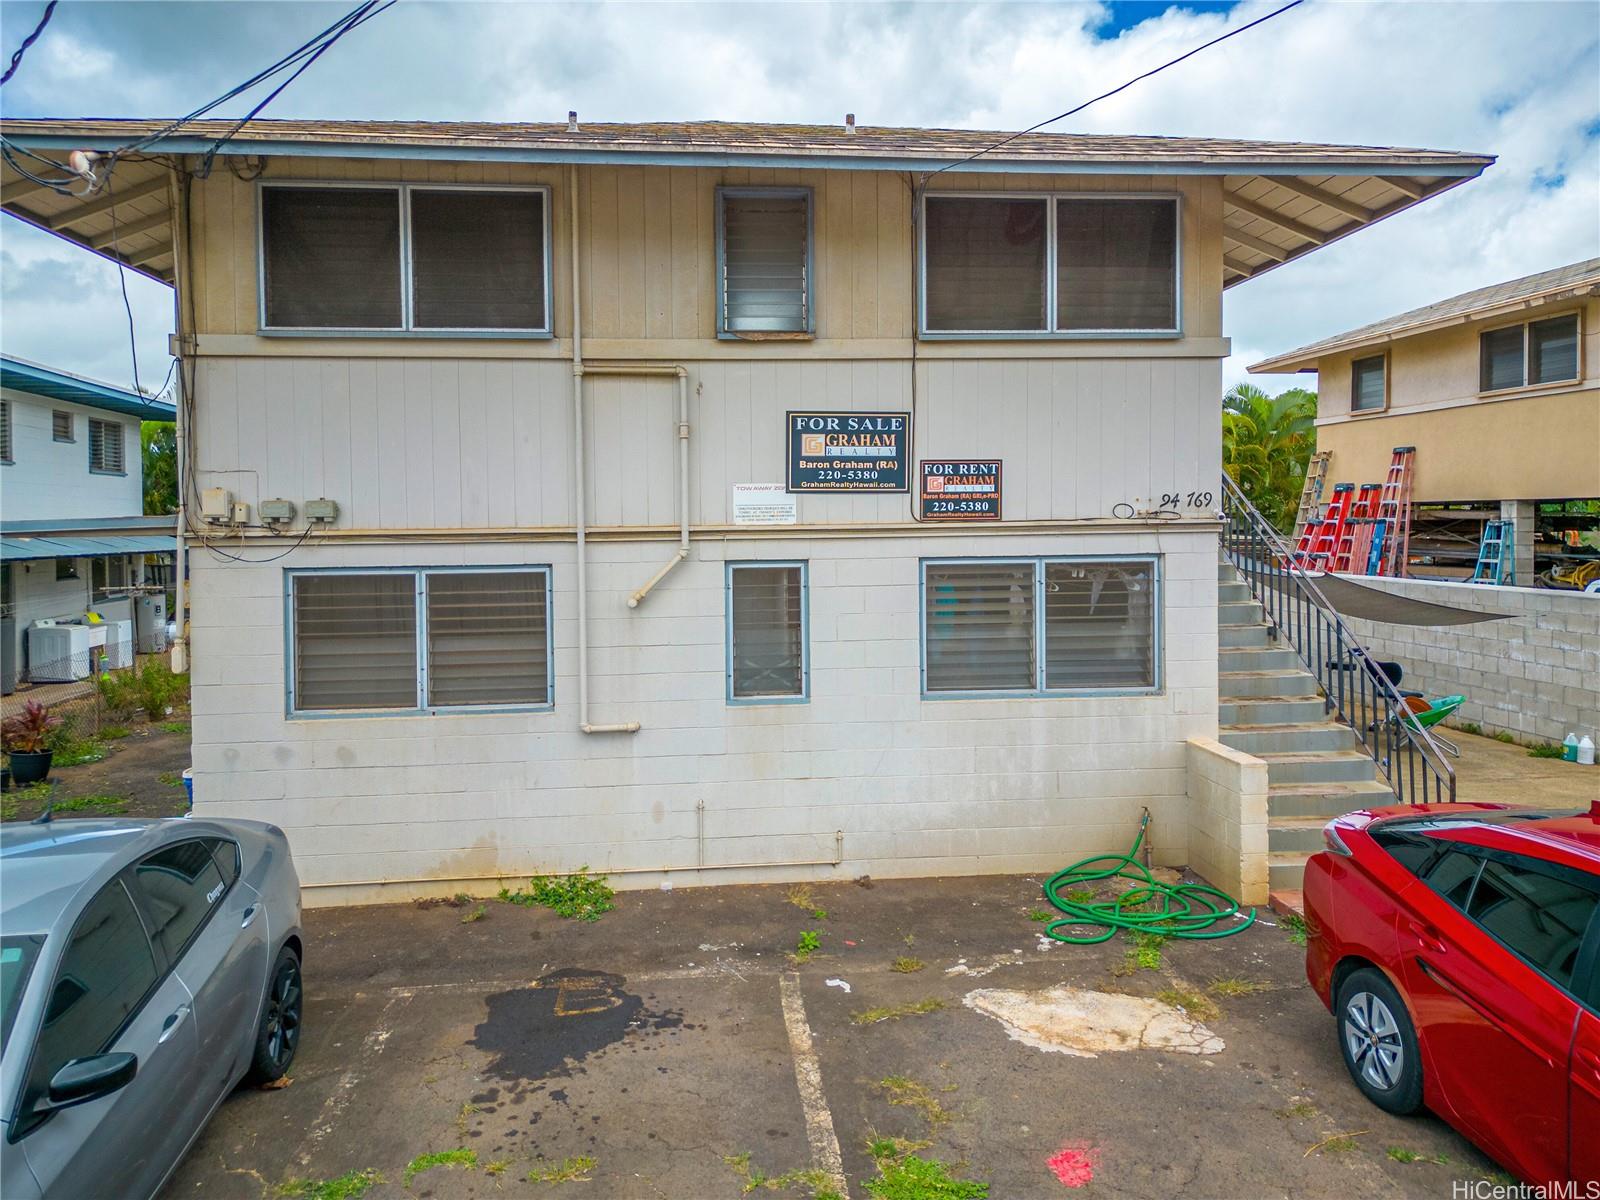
(1427, 935)
(249, 915)
(170, 1025)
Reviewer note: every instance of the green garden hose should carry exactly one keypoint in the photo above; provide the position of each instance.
(1191, 911)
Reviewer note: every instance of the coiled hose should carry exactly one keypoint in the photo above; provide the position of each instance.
(1192, 911)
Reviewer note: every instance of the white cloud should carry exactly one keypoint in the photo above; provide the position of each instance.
(1519, 80)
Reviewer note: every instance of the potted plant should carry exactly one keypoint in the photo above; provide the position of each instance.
(26, 738)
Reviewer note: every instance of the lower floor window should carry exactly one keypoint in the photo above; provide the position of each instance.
(1039, 626)
(766, 631)
(422, 639)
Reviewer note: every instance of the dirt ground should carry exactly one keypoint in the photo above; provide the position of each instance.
(1491, 770)
(140, 776)
(673, 1050)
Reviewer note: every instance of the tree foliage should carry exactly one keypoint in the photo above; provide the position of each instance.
(159, 443)
(1266, 443)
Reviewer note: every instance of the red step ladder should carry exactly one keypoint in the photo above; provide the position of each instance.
(1394, 510)
(1324, 536)
(1356, 544)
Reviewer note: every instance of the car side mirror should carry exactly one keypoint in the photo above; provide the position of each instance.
(85, 1079)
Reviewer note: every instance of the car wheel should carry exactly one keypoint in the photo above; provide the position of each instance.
(278, 1035)
(1378, 1042)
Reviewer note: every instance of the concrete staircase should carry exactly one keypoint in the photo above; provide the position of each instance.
(1270, 706)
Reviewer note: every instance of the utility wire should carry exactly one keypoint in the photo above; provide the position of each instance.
(16, 59)
(1005, 141)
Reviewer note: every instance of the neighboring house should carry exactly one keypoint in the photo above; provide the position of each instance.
(73, 537)
(1499, 391)
(868, 528)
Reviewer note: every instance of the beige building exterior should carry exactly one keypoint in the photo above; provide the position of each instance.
(1498, 389)
(703, 656)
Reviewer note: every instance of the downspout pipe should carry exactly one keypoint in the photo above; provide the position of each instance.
(580, 484)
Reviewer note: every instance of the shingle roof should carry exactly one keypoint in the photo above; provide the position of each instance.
(1571, 278)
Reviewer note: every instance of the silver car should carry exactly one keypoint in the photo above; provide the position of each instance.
(146, 968)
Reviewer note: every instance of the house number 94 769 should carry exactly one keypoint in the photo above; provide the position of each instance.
(1186, 499)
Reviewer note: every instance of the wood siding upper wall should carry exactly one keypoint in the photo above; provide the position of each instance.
(648, 243)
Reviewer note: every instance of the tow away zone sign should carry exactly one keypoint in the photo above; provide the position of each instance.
(960, 491)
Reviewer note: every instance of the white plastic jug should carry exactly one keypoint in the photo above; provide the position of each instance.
(1586, 751)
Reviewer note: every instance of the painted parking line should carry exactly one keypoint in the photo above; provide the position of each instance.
(371, 1046)
(825, 1155)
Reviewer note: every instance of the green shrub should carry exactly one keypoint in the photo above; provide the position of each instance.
(581, 895)
(149, 687)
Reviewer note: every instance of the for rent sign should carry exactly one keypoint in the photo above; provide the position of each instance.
(848, 451)
(960, 491)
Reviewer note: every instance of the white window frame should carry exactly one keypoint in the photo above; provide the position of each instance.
(1383, 358)
(809, 296)
(804, 695)
(1040, 651)
(72, 426)
(1527, 324)
(121, 434)
(407, 326)
(1052, 313)
(422, 707)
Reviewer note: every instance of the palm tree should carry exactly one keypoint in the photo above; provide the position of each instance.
(1266, 443)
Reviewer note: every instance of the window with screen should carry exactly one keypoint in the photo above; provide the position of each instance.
(179, 886)
(1553, 350)
(414, 641)
(5, 431)
(405, 258)
(1368, 388)
(987, 264)
(1536, 911)
(766, 255)
(1500, 359)
(61, 426)
(1040, 626)
(106, 450)
(766, 631)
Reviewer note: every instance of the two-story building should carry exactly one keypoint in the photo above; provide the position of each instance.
(709, 502)
(73, 535)
(1499, 391)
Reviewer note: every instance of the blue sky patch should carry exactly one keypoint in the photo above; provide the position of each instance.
(1125, 14)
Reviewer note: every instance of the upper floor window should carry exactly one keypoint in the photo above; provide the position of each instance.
(1028, 265)
(764, 260)
(409, 258)
(5, 430)
(1524, 355)
(106, 452)
(61, 426)
(1369, 386)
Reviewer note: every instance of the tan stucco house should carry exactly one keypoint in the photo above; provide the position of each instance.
(709, 502)
(1498, 389)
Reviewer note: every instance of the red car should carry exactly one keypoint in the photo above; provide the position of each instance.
(1458, 946)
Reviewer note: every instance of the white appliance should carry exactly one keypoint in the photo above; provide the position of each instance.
(119, 644)
(150, 624)
(58, 653)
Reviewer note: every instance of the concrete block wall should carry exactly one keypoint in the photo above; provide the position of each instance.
(755, 792)
(1535, 673)
(1228, 819)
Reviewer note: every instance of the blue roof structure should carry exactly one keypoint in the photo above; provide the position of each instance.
(23, 376)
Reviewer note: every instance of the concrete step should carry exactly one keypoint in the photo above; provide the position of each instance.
(1287, 902)
(1238, 612)
(1286, 871)
(1295, 835)
(1318, 766)
(1235, 636)
(1326, 800)
(1237, 685)
(1309, 735)
(1235, 592)
(1258, 658)
(1270, 710)
(1226, 572)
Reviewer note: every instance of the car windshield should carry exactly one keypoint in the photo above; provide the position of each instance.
(17, 956)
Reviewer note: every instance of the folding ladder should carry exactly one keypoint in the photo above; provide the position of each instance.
(1356, 543)
(1311, 493)
(1324, 536)
(1391, 534)
(1492, 565)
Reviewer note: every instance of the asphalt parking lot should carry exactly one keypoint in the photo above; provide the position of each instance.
(673, 1049)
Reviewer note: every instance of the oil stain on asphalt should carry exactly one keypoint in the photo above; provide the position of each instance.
(549, 1028)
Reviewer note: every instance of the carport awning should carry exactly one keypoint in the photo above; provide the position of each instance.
(16, 549)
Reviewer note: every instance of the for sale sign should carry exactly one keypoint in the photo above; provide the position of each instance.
(849, 451)
(960, 491)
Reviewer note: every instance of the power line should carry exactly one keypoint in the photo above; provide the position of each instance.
(1005, 141)
(16, 59)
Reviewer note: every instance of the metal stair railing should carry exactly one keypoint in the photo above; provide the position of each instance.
(1406, 755)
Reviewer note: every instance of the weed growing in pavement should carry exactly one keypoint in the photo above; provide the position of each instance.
(1196, 1005)
(872, 1016)
(909, 1177)
(103, 805)
(1471, 727)
(440, 1158)
(810, 942)
(910, 940)
(800, 896)
(753, 1177)
(569, 1170)
(114, 733)
(497, 1168)
(907, 965)
(1038, 914)
(350, 1186)
(905, 1092)
(1298, 1107)
(174, 727)
(467, 1110)
(1501, 735)
(1144, 954)
(170, 778)
(1296, 926)
(475, 915)
(581, 896)
(1231, 987)
(1339, 1143)
(1545, 750)
(1080, 896)
(1401, 1155)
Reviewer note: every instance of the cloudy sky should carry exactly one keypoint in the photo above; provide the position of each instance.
(1517, 78)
